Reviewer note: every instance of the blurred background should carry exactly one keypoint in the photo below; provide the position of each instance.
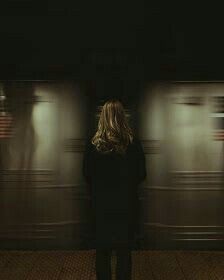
(43, 128)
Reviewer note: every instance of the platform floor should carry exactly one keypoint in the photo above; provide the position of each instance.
(80, 265)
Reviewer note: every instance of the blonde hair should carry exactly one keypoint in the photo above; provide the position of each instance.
(114, 132)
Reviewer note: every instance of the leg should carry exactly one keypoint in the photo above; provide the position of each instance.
(103, 264)
(124, 264)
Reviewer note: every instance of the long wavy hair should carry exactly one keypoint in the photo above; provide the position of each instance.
(114, 132)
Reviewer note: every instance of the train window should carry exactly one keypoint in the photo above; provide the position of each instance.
(218, 117)
(218, 104)
(6, 118)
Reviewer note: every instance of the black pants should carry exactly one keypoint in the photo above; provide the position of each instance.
(103, 264)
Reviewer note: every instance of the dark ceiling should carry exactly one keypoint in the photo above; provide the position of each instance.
(108, 40)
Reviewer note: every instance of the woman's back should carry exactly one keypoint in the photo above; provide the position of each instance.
(113, 180)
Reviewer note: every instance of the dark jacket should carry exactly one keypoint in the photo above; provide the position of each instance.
(113, 182)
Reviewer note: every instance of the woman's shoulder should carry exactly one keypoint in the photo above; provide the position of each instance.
(88, 144)
(136, 145)
(136, 141)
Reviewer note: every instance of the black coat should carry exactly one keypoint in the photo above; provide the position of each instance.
(113, 182)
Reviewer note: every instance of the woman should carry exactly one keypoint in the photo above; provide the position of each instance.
(113, 166)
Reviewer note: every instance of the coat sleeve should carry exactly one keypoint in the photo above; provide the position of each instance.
(140, 162)
(86, 166)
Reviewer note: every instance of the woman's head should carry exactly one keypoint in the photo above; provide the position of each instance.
(113, 133)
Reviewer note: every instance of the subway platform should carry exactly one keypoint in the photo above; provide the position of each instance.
(80, 265)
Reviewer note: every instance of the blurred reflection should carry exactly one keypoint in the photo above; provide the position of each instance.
(16, 128)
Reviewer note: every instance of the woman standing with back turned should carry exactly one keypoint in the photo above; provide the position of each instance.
(113, 167)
